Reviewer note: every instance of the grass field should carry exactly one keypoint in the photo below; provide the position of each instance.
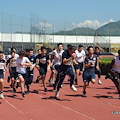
(107, 59)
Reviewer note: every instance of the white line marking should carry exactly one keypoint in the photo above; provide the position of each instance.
(13, 107)
(67, 108)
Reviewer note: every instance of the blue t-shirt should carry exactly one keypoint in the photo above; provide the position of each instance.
(98, 54)
(88, 60)
(32, 59)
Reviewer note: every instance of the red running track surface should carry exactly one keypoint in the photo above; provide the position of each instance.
(100, 102)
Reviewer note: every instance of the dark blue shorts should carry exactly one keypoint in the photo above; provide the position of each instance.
(88, 76)
(1, 75)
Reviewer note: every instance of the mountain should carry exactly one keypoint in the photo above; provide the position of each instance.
(110, 29)
(77, 31)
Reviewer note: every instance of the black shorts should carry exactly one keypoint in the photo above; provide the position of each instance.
(79, 66)
(20, 74)
(43, 70)
(13, 73)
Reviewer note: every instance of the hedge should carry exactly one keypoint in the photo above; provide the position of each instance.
(104, 66)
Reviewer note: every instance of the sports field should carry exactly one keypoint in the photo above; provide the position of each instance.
(102, 102)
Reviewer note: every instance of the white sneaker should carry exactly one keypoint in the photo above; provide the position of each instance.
(61, 85)
(52, 81)
(73, 88)
(57, 94)
(1, 96)
(99, 82)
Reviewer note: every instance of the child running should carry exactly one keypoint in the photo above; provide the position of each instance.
(22, 63)
(12, 69)
(43, 65)
(80, 56)
(89, 72)
(66, 68)
(30, 69)
(2, 67)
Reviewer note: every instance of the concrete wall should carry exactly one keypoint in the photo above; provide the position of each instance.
(56, 38)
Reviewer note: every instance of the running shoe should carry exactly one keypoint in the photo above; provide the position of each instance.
(23, 94)
(45, 90)
(73, 88)
(84, 94)
(14, 90)
(57, 94)
(1, 95)
(99, 82)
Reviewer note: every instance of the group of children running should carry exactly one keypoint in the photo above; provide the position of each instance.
(73, 62)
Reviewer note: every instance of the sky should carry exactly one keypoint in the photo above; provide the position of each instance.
(76, 13)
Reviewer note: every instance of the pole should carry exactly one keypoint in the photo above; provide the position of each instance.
(11, 28)
(64, 33)
(22, 30)
(53, 33)
(1, 31)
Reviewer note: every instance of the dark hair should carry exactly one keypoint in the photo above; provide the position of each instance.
(80, 46)
(119, 52)
(69, 45)
(12, 48)
(43, 47)
(27, 50)
(96, 48)
(21, 53)
(30, 50)
(12, 52)
(72, 48)
(59, 44)
(89, 48)
(1, 52)
(54, 48)
(38, 49)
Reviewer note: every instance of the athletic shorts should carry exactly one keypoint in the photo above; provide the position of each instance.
(2, 76)
(79, 66)
(88, 76)
(43, 70)
(13, 73)
(20, 74)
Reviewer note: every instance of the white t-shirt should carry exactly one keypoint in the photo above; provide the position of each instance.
(116, 66)
(14, 64)
(19, 68)
(9, 56)
(79, 56)
(57, 57)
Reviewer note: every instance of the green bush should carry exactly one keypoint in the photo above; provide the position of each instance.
(104, 66)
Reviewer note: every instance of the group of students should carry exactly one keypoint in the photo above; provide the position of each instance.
(60, 62)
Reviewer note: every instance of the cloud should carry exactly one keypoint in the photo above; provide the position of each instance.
(92, 24)
(46, 25)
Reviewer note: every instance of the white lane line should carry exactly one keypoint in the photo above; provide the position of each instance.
(13, 106)
(67, 108)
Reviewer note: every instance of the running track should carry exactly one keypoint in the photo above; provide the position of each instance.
(38, 105)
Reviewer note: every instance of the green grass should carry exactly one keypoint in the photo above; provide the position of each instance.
(106, 59)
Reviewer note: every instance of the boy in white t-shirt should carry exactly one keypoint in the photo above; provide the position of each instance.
(80, 56)
(2, 67)
(22, 63)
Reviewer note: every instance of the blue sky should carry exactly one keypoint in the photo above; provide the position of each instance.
(80, 13)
